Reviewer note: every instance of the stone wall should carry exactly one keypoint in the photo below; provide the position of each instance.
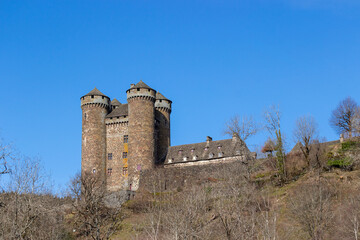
(94, 135)
(141, 133)
(116, 161)
(163, 134)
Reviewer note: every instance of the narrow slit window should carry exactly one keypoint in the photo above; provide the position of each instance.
(110, 156)
(126, 138)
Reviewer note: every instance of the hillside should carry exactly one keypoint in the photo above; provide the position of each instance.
(247, 201)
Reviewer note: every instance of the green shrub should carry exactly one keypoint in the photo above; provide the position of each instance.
(344, 163)
(348, 145)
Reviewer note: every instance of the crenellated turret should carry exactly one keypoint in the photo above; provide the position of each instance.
(163, 110)
(141, 110)
(95, 106)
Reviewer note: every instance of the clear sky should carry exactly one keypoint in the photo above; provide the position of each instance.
(212, 58)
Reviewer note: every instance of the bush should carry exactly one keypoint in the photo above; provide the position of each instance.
(348, 145)
(343, 163)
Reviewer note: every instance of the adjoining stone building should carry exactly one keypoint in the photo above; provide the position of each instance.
(120, 141)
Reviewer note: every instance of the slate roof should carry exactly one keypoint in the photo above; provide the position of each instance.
(141, 84)
(120, 111)
(159, 96)
(95, 92)
(226, 148)
(115, 102)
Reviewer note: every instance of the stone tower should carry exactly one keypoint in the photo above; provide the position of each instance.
(95, 106)
(162, 111)
(141, 99)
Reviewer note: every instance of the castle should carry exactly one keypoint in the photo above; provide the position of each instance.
(120, 141)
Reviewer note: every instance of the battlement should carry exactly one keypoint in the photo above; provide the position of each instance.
(120, 141)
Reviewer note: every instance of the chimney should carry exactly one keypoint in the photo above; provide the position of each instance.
(132, 85)
(208, 140)
(342, 138)
(235, 137)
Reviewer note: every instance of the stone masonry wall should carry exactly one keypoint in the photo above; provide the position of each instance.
(141, 137)
(163, 136)
(116, 160)
(94, 139)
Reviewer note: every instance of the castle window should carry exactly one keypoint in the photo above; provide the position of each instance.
(125, 154)
(110, 156)
(94, 170)
(138, 89)
(125, 171)
(109, 171)
(170, 160)
(126, 138)
(185, 159)
(92, 96)
(194, 157)
(211, 155)
(160, 100)
(85, 116)
(180, 152)
(220, 154)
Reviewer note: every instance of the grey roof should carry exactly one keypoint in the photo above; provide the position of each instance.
(95, 92)
(122, 110)
(227, 148)
(159, 96)
(115, 102)
(141, 84)
(297, 147)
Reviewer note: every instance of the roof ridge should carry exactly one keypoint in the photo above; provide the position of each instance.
(95, 92)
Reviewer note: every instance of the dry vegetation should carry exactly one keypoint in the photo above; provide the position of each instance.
(310, 193)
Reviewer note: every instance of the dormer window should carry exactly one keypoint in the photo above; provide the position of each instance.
(194, 157)
(170, 160)
(180, 152)
(220, 154)
(185, 159)
(211, 155)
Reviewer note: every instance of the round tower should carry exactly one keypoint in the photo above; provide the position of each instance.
(163, 111)
(141, 99)
(95, 106)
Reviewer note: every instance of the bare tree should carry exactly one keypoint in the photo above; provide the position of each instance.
(244, 127)
(272, 118)
(310, 206)
(93, 218)
(345, 117)
(5, 155)
(29, 210)
(305, 132)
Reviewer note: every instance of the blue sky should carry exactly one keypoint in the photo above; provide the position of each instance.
(212, 58)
